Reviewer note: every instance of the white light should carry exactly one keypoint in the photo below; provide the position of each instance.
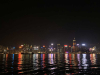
(22, 45)
(51, 43)
(37, 47)
(83, 44)
(92, 49)
(49, 49)
(77, 44)
(65, 46)
(34, 47)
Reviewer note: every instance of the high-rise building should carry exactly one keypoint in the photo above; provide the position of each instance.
(51, 48)
(36, 48)
(58, 47)
(74, 45)
(43, 49)
(65, 48)
(74, 42)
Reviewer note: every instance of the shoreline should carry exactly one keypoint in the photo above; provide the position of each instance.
(52, 53)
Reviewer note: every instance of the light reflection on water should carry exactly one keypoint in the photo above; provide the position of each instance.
(65, 64)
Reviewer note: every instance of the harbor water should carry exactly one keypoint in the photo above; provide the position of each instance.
(49, 64)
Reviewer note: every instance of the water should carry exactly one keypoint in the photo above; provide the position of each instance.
(49, 64)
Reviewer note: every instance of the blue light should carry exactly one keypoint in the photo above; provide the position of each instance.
(41, 47)
(13, 47)
(13, 57)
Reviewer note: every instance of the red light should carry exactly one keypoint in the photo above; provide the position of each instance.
(65, 45)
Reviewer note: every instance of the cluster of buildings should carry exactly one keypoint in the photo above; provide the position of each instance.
(51, 48)
(55, 48)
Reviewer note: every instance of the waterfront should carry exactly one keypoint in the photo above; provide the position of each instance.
(49, 64)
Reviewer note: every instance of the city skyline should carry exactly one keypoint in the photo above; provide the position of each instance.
(49, 37)
(54, 43)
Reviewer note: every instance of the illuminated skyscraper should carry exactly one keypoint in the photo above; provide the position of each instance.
(36, 49)
(58, 47)
(51, 47)
(74, 44)
(65, 48)
(43, 49)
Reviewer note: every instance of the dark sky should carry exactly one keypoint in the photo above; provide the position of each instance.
(43, 22)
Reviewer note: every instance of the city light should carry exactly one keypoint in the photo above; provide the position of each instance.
(58, 44)
(13, 47)
(83, 44)
(66, 52)
(7, 48)
(65, 45)
(90, 49)
(43, 45)
(77, 44)
(22, 45)
(51, 43)
(34, 47)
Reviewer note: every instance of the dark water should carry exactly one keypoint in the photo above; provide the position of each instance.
(49, 64)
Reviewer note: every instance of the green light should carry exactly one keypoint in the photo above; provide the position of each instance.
(24, 44)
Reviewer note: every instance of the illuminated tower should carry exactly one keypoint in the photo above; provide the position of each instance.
(65, 48)
(58, 47)
(74, 44)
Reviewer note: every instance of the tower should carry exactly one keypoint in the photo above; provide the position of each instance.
(74, 44)
(65, 48)
(58, 47)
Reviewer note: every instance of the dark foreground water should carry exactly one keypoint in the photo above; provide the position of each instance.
(49, 64)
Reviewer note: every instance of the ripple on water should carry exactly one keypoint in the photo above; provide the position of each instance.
(54, 64)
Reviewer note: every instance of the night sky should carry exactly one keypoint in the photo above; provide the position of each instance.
(44, 22)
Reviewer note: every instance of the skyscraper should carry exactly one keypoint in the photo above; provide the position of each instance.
(65, 48)
(74, 44)
(58, 47)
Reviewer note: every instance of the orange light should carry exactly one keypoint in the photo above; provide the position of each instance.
(43, 45)
(69, 46)
(7, 48)
(20, 46)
